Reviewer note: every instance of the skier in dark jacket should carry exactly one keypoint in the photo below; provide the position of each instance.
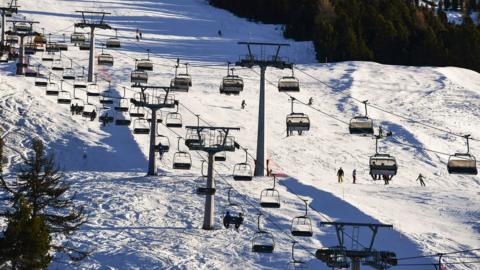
(340, 175)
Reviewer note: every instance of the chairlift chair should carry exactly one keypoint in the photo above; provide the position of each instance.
(51, 47)
(193, 140)
(84, 46)
(231, 84)
(201, 189)
(270, 197)
(382, 164)
(30, 48)
(48, 56)
(31, 72)
(80, 82)
(262, 241)
(106, 115)
(122, 119)
(361, 125)
(289, 84)
(105, 99)
(302, 225)
(41, 81)
(463, 163)
(122, 105)
(93, 90)
(145, 64)
(78, 104)
(22, 27)
(181, 160)
(221, 157)
(89, 110)
(243, 171)
(141, 126)
(181, 82)
(64, 97)
(62, 46)
(298, 122)
(57, 65)
(163, 144)
(52, 89)
(113, 42)
(69, 74)
(296, 264)
(105, 59)
(233, 212)
(138, 77)
(137, 111)
(173, 120)
(77, 37)
(12, 39)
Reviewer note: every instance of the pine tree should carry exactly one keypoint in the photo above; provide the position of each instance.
(26, 241)
(40, 183)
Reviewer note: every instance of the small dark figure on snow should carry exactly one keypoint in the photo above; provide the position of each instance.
(421, 178)
(354, 176)
(226, 220)
(93, 115)
(140, 35)
(340, 175)
(220, 33)
(386, 179)
(239, 221)
(244, 104)
(137, 38)
(310, 101)
(72, 108)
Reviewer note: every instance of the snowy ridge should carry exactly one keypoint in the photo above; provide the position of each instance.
(154, 222)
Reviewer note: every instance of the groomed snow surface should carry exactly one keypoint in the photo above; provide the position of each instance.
(138, 222)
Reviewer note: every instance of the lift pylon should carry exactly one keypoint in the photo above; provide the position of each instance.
(154, 101)
(92, 20)
(212, 140)
(262, 61)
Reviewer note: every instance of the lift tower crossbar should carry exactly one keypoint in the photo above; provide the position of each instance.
(336, 257)
(262, 61)
(154, 102)
(92, 20)
(211, 140)
(22, 34)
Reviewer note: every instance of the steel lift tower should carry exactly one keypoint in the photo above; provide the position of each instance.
(262, 61)
(92, 20)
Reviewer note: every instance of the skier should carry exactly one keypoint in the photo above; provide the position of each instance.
(93, 115)
(310, 101)
(340, 174)
(354, 175)
(219, 33)
(226, 220)
(386, 179)
(136, 37)
(72, 108)
(421, 178)
(244, 104)
(140, 35)
(238, 221)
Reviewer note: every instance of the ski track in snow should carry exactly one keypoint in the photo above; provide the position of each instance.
(138, 222)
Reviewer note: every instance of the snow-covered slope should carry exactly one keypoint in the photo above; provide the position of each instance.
(138, 222)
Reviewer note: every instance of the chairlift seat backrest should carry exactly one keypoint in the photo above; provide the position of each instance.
(461, 163)
(383, 164)
(263, 242)
(113, 43)
(288, 84)
(138, 77)
(361, 125)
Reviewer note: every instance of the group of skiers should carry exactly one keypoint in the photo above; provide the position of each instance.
(76, 109)
(138, 35)
(386, 178)
(228, 219)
